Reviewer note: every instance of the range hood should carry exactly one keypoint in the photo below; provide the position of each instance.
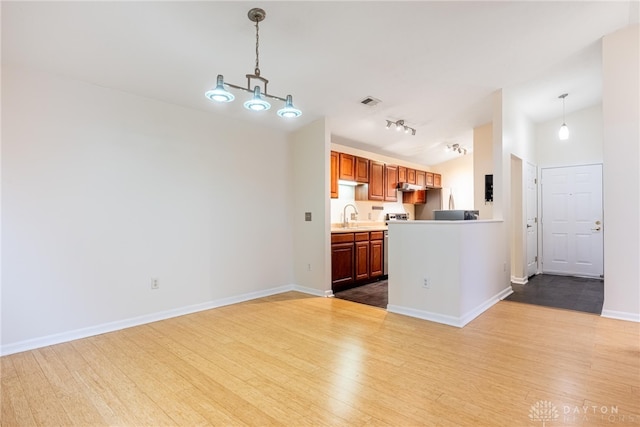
(405, 186)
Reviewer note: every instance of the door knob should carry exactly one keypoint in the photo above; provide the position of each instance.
(529, 225)
(596, 229)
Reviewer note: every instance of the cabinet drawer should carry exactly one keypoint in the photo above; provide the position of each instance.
(362, 237)
(377, 235)
(341, 237)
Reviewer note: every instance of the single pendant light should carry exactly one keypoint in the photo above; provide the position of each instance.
(563, 133)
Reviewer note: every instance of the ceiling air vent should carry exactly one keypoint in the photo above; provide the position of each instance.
(370, 101)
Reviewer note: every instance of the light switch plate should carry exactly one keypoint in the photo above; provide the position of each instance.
(307, 216)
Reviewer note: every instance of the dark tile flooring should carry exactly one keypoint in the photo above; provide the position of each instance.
(375, 294)
(572, 293)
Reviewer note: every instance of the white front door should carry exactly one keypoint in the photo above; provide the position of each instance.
(532, 219)
(572, 241)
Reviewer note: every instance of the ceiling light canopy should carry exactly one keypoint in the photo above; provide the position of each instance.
(563, 133)
(400, 126)
(258, 101)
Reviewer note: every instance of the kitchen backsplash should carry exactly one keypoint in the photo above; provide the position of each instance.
(366, 211)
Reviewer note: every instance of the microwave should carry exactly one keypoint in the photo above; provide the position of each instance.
(455, 215)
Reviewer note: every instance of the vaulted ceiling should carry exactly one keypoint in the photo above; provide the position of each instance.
(432, 64)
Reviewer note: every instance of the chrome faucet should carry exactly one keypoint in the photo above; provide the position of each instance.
(345, 224)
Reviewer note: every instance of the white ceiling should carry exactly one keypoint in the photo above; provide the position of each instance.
(432, 64)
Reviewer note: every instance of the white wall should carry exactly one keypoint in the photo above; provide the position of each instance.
(621, 177)
(482, 165)
(457, 178)
(102, 190)
(311, 239)
(584, 145)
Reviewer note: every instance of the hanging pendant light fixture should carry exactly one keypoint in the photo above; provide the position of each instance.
(258, 101)
(563, 133)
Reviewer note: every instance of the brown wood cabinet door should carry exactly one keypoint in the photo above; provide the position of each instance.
(376, 256)
(421, 178)
(390, 183)
(362, 170)
(429, 179)
(376, 180)
(342, 263)
(334, 175)
(402, 174)
(347, 167)
(417, 197)
(437, 180)
(411, 176)
(362, 260)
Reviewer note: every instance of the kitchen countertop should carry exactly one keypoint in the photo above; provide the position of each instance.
(359, 227)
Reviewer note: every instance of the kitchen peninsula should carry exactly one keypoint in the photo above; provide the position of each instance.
(447, 271)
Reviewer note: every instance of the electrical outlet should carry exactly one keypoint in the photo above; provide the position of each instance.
(369, 216)
(426, 284)
(308, 267)
(154, 283)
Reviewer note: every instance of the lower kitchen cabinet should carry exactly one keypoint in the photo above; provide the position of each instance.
(356, 258)
(376, 254)
(342, 263)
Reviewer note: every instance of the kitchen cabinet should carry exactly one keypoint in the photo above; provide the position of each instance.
(417, 197)
(421, 178)
(376, 181)
(429, 179)
(376, 254)
(334, 174)
(362, 170)
(402, 174)
(437, 180)
(356, 258)
(411, 176)
(342, 260)
(361, 266)
(390, 183)
(347, 170)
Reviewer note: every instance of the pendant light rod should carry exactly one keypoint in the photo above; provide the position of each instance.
(220, 94)
(563, 133)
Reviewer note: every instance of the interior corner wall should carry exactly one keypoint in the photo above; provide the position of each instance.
(457, 176)
(621, 177)
(310, 147)
(517, 139)
(482, 165)
(103, 190)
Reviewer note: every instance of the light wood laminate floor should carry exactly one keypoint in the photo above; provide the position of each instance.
(297, 360)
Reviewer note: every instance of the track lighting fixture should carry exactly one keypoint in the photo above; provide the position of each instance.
(400, 126)
(456, 148)
(563, 133)
(258, 101)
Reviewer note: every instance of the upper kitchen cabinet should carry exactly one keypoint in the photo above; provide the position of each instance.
(347, 169)
(362, 170)
(429, 179)
(376, 181)
(421, 178)
(437, 180)
(411, 176)
(334, 175)
(390, 183)
(402, 174)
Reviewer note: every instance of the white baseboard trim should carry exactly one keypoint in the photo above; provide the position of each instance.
(425, 315)
(621, 315)
(34, 343)
(519, 280)
(445, 319)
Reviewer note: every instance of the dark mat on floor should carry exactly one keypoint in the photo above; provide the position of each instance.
(375, 294)
(571, 293)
